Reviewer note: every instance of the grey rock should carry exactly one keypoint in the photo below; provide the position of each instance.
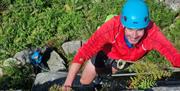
(166, 88)
(42, 78)
(11, 61)
(45, 80)
(174, 4)
(71, 47)
(55, 62)
(22, 56)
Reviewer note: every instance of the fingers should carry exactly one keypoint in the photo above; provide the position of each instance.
(65, 88)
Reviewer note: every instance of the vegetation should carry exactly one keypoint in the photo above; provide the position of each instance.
(147, 74)
(56, 88)
(16, 77)
(37, 22)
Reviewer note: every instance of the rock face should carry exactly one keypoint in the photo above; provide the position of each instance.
(55, 62)
(11, 61)
(173, 4)
(45, 80)
(22, 56)
(166, 88)
(72, 46)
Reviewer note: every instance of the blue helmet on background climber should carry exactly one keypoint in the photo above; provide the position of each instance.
(36, 57)
(135, 14)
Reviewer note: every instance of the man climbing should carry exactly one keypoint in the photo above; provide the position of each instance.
(124, 38)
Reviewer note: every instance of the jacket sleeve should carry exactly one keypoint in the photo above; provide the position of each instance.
(165, 47)
(102, 36)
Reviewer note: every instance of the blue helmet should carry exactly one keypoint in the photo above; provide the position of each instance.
(135, 14)
(36, 57)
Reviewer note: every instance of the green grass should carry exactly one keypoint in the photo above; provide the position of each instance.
(36, 22)
(16, 77)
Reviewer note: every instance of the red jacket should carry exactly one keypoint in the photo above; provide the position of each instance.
(110, 38)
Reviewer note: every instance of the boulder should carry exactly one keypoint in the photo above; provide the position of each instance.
(22, 56)
(166, 88)
(45, 80)
(45, 77)
(11, 61)
(71, 46)
(173, 4)
(55, 62)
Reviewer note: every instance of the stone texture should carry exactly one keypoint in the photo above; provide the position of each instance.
(55, 62)
(22, 56)
(42, 78)
(166, 88)
(45, 80)
(71, 47)
(173, 4)
(10, 61)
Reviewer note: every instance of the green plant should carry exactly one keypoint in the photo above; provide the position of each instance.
(35, 22)
(16, 77)
(160, 14)
(56, 87)
(147, 74)
(172, 32)
(70, 57)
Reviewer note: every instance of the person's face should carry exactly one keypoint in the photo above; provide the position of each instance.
(134, 35)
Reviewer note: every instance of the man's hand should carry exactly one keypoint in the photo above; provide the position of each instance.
(74, 68)
(65, 88)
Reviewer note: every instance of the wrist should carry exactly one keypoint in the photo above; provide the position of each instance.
(69, 86)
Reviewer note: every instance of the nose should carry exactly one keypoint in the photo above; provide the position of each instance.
(134, 34)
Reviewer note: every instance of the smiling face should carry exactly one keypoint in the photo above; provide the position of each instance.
(133, 35)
